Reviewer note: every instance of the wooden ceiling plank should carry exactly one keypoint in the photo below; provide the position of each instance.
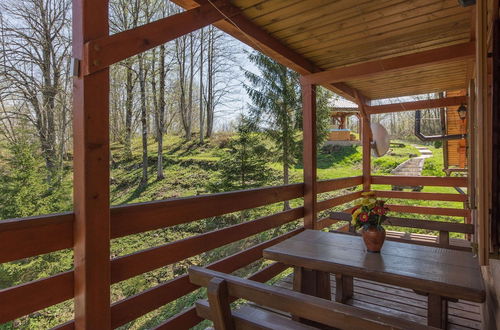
(375, 24)
(416, 105)
(412, 35)
(390, 64)
(352, 56)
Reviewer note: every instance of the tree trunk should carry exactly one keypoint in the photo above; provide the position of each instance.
(202, 117)
(190, 89)
(144, 124)
(210, 78)
(129, 104)
(161, 115)
(181, 60)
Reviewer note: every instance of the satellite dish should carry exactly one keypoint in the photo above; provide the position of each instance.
(381, 140)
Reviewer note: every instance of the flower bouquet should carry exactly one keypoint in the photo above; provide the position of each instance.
(370, 216)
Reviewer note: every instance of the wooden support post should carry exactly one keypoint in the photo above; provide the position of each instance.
(366, 138)
(91, 173)
(309, 155)
(483, 150)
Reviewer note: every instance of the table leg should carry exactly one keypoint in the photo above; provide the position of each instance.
(344, 288)
(312, 282)
(437, 311)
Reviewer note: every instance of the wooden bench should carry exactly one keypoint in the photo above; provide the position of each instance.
(444, 229)
(222, 289)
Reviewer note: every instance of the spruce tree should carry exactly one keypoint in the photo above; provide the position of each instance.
(244, 164)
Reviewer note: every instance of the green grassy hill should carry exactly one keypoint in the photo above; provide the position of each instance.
(189, 168)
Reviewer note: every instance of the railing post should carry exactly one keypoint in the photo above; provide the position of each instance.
(365, 141)
(309, 155)
(91, 172)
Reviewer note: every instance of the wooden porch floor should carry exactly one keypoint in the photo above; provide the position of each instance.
(404, 303)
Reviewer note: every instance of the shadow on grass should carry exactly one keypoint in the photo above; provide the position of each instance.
(331, 156)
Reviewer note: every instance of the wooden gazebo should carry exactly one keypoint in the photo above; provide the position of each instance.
(361, 50)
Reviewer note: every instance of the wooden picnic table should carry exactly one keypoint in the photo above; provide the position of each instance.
(440, 274)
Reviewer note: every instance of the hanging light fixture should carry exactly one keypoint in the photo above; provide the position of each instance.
(462, 111)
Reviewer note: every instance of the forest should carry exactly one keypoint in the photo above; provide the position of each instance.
(198, 115)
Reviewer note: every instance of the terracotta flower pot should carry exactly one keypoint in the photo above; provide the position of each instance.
(374, 238)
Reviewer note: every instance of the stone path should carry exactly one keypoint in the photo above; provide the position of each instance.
(412, 167)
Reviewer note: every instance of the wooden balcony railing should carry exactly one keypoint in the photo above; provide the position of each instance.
(23, 238)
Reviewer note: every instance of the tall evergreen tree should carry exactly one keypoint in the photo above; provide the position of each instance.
(276, 105)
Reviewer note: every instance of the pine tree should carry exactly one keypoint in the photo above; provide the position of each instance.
(276, 105)
(25, 190)
(244, 165)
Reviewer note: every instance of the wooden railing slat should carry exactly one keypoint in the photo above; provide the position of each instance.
(336, 201)
(27, 237)
(143, 261)
(161, 214)
(32, 296)
(420, 181)
(453, 227)
(421, 196)
(428, 210)
(340, 183)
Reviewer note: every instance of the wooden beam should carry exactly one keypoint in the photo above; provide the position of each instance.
(243, 29)
(443, 54)
(91, 174)
(105, 51)
(416, 105)
(309, 155)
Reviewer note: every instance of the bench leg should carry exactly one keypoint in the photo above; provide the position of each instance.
(437, 311)
(344, 288)
(312, 282)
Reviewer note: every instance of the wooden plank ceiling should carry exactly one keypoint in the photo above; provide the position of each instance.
(337, 33)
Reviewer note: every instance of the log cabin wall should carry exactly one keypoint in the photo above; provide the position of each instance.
(456, 149)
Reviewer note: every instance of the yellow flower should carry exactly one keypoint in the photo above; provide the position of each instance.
(366, 202)
(355, 214)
